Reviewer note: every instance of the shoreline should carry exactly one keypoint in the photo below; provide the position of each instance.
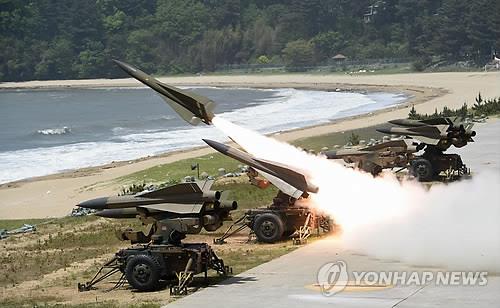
(55, 195)
(413, 97)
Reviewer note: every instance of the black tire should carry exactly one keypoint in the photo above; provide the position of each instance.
(376, 170)
(328, 225)
(143, 272)
(422, 169)
(268, 228)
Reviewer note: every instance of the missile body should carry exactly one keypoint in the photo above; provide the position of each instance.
(407, 123)
(179, 198)
(118, 213)
(417, 123)
(424, 130)
(119, 202)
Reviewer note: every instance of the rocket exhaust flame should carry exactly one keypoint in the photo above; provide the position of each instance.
(454, 225)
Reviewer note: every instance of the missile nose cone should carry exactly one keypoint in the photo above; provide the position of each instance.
(134, 72)
(312, 188)
(96, 204)
(216, 145)
(126, 67)
(330, 154)
(384, 130)
(397, 121)
(405, 122)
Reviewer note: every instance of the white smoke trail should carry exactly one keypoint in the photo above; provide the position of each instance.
(455, 225)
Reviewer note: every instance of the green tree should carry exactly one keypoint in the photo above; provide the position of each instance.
(298, 55)
(91, 61)
(483, 29)
(57, 60)
(51, 39)
(181, 22)
(450, 39)
(327, 44)
(138, 54)
(413, 115)
(354, 139)
(263, 60)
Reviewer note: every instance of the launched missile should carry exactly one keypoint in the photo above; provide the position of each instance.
(191, 107)
(289, 181)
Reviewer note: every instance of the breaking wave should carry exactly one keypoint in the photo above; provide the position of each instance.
(54, 131)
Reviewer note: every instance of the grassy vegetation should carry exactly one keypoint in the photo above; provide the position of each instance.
(248, 196)
(37, 301)
(45, 223)
(57, 244)
(178, 170)
(10, 224)
(338, 138)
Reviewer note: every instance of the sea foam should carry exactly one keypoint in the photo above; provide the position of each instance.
(54, 131)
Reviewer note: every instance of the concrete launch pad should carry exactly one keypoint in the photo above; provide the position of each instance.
(484, 154)
(290, 281)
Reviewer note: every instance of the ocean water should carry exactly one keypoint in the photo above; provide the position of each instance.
(47, 131)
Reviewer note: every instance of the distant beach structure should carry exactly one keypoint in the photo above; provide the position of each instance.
(339, 57)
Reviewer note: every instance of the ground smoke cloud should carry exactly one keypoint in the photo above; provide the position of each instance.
(454, 226)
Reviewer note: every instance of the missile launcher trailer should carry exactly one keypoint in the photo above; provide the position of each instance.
(433, 136)
(286, 216)
(148, 267)
(374, 158)
(431, 165)
(283, 219)
(280, 221)
(159, 256)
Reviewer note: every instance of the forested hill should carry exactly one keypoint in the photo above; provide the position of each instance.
(61, 39)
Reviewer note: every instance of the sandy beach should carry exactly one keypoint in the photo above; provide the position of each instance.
(56, 195)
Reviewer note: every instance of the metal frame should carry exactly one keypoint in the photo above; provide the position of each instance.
(113, 267)
(303, 232)
(242, 226)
